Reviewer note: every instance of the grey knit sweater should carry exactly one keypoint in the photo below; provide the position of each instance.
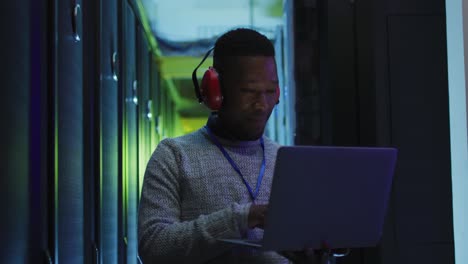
(192, 196)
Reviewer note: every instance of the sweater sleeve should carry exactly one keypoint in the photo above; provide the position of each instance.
(163, 238)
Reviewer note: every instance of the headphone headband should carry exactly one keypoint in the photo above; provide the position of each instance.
(195, 79)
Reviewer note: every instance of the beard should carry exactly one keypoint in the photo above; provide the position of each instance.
(237, 128)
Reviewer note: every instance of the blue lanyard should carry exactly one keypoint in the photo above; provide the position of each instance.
(234, 165)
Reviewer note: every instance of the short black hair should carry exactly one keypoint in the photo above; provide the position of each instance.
(241, 42)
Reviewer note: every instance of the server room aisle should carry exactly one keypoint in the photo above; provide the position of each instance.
(80, 129)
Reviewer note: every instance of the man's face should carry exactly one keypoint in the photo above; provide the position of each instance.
(249, 90)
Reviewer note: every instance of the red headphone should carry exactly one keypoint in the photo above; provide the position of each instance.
(210, 91)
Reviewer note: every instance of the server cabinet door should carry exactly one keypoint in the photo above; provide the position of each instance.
(155, 90)
(91, 119)
(14, 114)
(423, 216)
(68, 142)
(130, 86)
(143, 57)
(108, 134)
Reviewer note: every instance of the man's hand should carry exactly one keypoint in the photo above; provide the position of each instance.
(310, 256)
(257, 215)
(303, 257)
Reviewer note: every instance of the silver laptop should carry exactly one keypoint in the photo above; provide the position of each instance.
(332, 195)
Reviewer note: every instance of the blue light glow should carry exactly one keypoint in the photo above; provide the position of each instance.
(456, 49)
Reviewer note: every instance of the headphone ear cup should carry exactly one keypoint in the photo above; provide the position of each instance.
(210, 89)
(278, 93)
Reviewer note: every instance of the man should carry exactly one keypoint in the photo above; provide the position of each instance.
(215, 183)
